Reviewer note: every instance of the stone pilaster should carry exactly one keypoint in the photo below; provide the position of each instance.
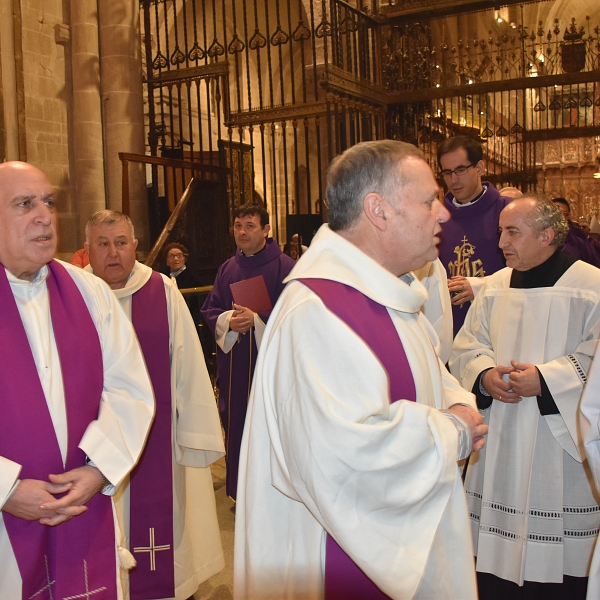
(88, 158)
(122, 105)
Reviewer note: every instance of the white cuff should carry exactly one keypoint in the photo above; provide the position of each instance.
(224, 337)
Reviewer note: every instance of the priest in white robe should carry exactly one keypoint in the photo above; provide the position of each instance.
(349, 485)
(194, 436)
(525, 350)
(54, 316)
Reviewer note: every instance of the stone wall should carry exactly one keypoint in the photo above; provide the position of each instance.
(46, 93)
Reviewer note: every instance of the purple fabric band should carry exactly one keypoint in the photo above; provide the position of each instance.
(151, 485)
(344, 580)
(76, 557)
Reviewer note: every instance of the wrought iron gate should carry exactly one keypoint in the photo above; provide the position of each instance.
(274, 89)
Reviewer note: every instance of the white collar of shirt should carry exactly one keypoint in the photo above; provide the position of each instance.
(40, 277)
(479, 197)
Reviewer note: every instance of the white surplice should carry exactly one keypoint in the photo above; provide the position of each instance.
(197, 442)
(438, 307)
(115, 440)
(533, 512)
(325, 451)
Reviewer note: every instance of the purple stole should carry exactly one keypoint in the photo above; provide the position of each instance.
(77, 557)
(344, 580)
(151, 481)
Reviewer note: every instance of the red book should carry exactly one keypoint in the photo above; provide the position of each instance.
(252, 293)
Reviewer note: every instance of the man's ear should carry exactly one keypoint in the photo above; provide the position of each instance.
(375, 208)
(266, 229)
(86, 247)
(480, 168)
(547, 236)
(135, 243)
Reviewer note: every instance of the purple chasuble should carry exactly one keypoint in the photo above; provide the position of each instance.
(151, 481)
(344, 580)
(236, 368)
(469, 241)
(76, 557)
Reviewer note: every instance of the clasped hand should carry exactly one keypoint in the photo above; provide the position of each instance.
(523, 381)
(36, 500)
(460, 289)
(242, 319)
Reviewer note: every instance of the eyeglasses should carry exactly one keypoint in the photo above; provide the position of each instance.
(458, 171)
(176, 256)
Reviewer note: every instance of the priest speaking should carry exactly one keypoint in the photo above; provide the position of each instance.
(349, 484)
(73, 389)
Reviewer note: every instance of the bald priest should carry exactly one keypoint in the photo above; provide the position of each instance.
(73, 389)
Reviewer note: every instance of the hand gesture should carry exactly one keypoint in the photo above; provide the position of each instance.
(497, 388)
(242, 319)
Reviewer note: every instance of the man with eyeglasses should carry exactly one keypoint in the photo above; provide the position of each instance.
(469, 246)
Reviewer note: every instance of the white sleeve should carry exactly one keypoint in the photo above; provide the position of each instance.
(9, 473)
(476, 284)
(224, 337)
(472, 350)
(199, 441)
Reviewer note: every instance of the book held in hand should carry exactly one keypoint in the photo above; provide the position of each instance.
(252, 293)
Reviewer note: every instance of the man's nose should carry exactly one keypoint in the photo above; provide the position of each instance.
(43, 214)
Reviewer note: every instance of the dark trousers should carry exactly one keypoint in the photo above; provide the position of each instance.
(494, 588)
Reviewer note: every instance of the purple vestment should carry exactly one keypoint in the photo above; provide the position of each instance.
(76, 557)
(236, 369)
(151, 482)
(344, 580)
(580, 246)
(469, 241)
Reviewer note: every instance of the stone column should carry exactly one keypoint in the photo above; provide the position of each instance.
(12, 119)
(122, 106)
(88, 151)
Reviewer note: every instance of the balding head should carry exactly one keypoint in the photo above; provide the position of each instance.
(532, 228)
(28, 233)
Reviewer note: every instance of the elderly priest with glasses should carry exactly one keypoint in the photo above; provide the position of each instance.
(75, 406)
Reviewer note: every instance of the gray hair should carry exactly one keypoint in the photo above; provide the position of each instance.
(107, 217)
(362, 169)
(546, 214)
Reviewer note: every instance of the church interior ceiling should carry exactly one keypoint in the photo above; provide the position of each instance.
(281, 87)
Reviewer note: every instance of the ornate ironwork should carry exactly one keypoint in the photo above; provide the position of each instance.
(415, 59)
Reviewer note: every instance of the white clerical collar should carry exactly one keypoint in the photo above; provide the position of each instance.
(478, 197)
(40, 276)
